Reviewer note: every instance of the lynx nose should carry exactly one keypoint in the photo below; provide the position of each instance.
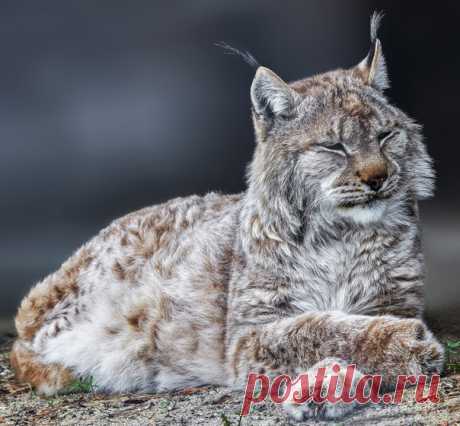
(374, 177)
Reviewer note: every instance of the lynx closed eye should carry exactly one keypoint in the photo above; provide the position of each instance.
(384, 135)
(336, 147)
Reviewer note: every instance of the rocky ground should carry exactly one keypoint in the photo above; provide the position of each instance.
(19, 405)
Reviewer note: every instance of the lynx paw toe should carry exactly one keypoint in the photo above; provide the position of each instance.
(410, 348)
(311, 410)
(325, 410)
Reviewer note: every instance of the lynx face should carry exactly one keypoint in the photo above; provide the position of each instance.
(333, 143)
(354, 151)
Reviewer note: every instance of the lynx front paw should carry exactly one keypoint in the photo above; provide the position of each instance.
(333, 367)
(401, 346)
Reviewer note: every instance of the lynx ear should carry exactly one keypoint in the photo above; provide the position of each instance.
(372, 69)
(270, 95)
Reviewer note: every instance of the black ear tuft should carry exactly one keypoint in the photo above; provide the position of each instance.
(247, 56)
(376, 19)
(372, 69)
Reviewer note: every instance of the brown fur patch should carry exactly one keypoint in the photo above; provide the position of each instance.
(162, 270)
(241, 345)
(137, 318)
(355, 107)
(362, 340)
(119, 271)
(47, 294)
(165, 308)
(44, 378)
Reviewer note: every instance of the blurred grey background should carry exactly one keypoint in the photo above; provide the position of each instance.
(109, 106)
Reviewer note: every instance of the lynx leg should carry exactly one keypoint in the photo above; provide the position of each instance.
(377, 345)
(46, 379)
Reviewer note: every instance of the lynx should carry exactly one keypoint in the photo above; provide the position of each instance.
(318, 261)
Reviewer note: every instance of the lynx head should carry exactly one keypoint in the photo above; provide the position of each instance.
(333, 143)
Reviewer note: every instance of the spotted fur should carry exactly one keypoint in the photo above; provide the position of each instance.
(320, 258)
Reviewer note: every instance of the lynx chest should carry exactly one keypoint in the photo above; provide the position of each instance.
(350, 275)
